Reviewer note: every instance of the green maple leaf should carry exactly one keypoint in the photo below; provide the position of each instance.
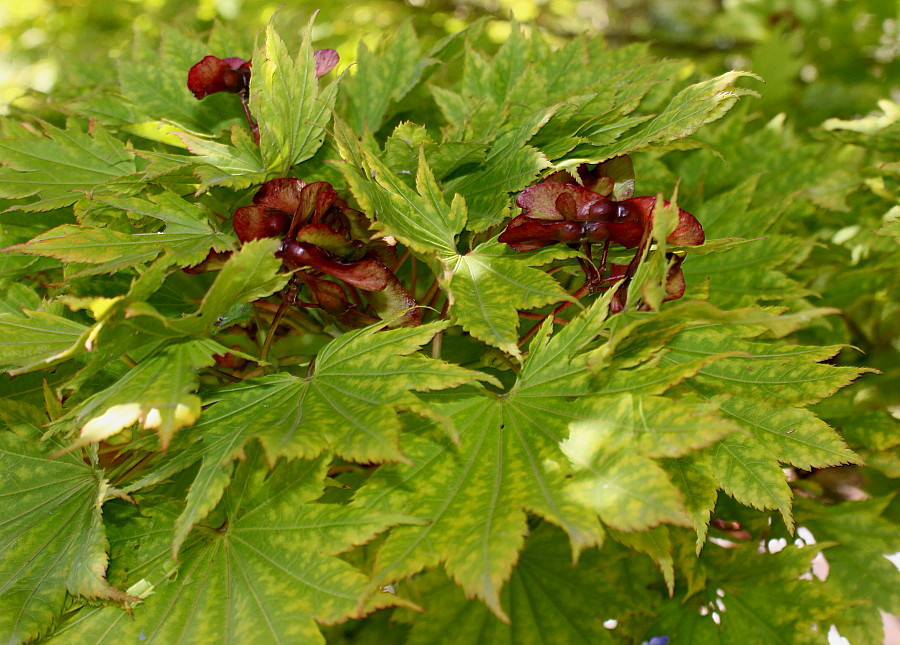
(474, 494)
(157, 393)
(251, 273)
(272, 565)
(52, 536)
(691, 108)
(657, 544)
(612, 453)
(401, 152)
(347, 405)
(383, 77)
(490, 284)
(509, 166)
(36, 339)
(749, 598)
(286, 101)
(693, 477)
(188, 237)
(18, 298)
(858, 570)
(152, 79)
(548, 599)
(60, 167)
(763, 391)
(749, 272)
(236, 165)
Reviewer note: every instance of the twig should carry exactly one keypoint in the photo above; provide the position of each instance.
(254, 127)
(577, 296)
(270, 335)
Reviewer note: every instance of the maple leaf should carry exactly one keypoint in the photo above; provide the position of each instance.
(238, 164)
(383, 77)
(151, 80)
(285, 98)
(58, 168)
(52, 506)
(747, 465)
(546, 597)
(188, 237)
(858, 569)
(347, 404)
(272, 563)
(474, 494)
(748, 598)
(36, 339)
(157, 393)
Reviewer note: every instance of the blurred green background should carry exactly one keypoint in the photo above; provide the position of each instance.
(820, 58)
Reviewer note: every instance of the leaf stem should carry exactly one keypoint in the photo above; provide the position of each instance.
(270, 335)
(431, 290)
(578, 295)
(254, 126)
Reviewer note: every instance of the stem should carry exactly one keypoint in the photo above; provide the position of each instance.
(431, 291)
(583, 291)
(603, 258)
(402, 260)
(438, 339)
(224, 374)
(253, 373)
(130, 362)
(434, 300)
(436, 343)
(270, 335)
(536, 316)
(254, 127)
(127, 468)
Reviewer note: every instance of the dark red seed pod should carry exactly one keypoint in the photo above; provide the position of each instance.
(596, 231)
(524, 233)
(212, 75)
(257, 222)
(368, 274)
(282, 193)
(688, 232)
(565, 205)
(602, 210)
(628, 234)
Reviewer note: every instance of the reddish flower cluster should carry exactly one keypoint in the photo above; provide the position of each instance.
(325, 238)
(562, 210)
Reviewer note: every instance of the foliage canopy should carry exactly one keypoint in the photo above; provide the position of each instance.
(276, 370)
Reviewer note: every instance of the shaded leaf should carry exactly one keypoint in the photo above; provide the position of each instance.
(36, 340)
(548, 600)
(274, 567)
(52, 537)
(382, 78)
